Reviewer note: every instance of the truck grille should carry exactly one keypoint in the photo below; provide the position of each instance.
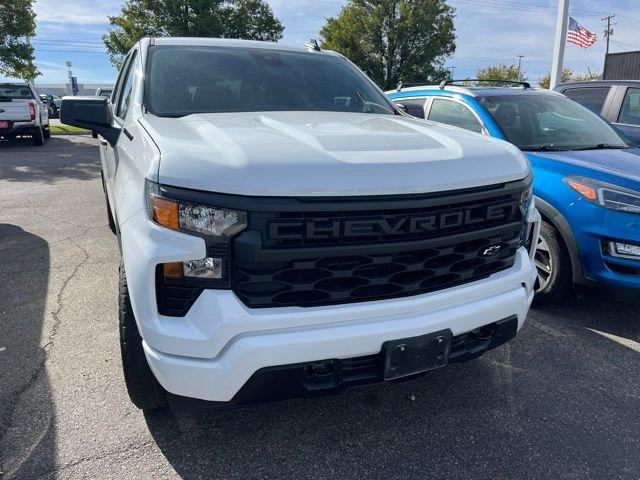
(324, 253)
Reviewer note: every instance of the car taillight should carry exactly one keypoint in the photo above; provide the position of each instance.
(32, 110)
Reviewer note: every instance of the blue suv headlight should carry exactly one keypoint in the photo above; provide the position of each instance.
(605, 194)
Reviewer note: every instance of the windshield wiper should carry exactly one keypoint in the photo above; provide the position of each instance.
(602, 146)
(542, 148)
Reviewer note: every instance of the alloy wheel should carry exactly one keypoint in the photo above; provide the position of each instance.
(544, 264)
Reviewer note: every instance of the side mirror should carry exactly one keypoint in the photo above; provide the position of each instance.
(92, 113)
(401, 107)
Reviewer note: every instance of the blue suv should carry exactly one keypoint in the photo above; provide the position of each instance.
(586, 175)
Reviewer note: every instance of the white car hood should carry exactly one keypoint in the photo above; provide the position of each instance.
(326, 154)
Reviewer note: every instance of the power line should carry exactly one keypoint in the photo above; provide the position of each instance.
(70, 51)
(519, 6)
(625, 45)
(76, 47)
(48, 39)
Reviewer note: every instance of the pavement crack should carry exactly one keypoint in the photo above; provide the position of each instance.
(59, 299)
(131, 447)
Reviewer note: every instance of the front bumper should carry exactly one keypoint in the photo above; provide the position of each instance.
(213, 351)
(334, 376)
(593, 236)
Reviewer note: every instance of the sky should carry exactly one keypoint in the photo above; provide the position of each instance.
(488, 32)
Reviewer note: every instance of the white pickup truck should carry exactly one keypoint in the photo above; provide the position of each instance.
(22, 112)
(286, 231)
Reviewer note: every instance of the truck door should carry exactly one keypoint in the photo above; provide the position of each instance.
(121, 100)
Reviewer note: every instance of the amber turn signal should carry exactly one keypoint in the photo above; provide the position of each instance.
(172, 270)
(586, 191)
(165, 212)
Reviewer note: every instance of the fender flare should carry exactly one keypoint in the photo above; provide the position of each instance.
(551, 214)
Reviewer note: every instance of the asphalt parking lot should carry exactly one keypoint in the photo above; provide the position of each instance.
(561, 401)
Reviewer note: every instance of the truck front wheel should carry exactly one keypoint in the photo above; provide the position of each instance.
(144, 390)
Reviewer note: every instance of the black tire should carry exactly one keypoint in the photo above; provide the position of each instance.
(144, 390)
(38, 137)
(47, 132)
(555, 276)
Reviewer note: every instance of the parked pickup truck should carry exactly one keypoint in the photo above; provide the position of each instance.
(286, 231)
(22, 112)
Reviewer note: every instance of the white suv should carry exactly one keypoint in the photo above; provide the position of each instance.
(286, 231)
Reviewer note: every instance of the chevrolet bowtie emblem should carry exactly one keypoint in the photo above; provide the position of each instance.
(491, 251)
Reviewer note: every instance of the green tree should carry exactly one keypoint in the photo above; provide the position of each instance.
(501, 72)
(17, 23)
(568, 76)
(394, 40)
(248, 19)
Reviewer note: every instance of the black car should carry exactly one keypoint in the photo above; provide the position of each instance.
(618, 101)
(51, 105)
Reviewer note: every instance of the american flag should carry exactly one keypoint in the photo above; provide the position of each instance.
(579, 35)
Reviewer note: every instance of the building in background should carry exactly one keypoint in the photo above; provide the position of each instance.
(622, 66)
(62, 89)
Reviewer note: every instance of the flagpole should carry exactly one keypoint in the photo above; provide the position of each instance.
(558, 47)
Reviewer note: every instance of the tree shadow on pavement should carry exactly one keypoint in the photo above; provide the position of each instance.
(61, 157)
(557, 402)
(27, 431)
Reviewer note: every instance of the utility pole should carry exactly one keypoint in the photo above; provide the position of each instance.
(609, 31)
(520, 57)
(558, 46)
(70, 72)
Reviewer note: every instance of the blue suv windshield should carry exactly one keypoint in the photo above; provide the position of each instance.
(537, 122)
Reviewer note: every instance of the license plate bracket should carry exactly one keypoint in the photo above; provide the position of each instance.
(409, 356)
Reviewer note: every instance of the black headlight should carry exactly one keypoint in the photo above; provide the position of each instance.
(178, 284)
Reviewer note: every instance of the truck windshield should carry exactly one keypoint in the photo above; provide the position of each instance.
(546, 122)
(194, 79)
(18, 92)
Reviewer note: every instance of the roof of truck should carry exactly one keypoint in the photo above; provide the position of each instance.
(229, 42)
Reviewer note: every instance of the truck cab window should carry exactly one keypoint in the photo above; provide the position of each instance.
(591, 97)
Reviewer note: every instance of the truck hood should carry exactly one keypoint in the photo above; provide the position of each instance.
(326, 154)
(625, 162)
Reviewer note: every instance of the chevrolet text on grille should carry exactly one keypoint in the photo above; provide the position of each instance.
(402, 225)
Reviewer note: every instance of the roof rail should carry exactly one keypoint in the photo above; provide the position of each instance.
(312, 45)
(477, 80)
(402, 85)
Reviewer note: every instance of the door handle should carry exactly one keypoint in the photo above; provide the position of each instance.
(103, 142)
